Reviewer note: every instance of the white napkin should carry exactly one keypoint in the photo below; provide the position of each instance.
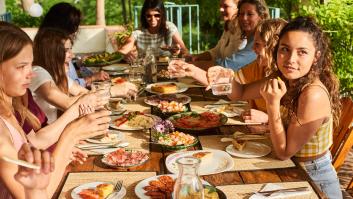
(270, 186)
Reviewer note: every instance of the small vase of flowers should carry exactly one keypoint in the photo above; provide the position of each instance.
(161, 128)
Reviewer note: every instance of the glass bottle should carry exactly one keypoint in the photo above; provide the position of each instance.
(150, 66)
(188, 184)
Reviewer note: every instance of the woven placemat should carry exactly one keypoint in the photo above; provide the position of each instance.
(241, 164)
(245, 191)
(130, 179)
(199, 107)
(137, 140)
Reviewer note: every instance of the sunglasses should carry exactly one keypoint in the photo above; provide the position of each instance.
(149, 16)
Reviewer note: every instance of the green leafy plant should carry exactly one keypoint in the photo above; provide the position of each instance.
(336, 18)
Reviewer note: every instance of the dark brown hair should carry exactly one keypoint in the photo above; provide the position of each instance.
(63, 16)
(261, 7)
(322, 68)
(49, 53)
(156, 5)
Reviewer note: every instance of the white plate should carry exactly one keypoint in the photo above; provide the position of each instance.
(181, 87)
(120, 137)
(251, 150)
(218, 163)
(232, 111)
(92, 185)
(187, 99)
(140, 192)
(126, 127)
(115, 67)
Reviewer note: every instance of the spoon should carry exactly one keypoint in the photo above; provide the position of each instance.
(20, 162)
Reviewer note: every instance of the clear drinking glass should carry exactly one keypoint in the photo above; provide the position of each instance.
(224, 87)
(103, 90)
(188, 184)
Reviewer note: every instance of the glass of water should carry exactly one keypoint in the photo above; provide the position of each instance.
(103, 90)
(224, 87)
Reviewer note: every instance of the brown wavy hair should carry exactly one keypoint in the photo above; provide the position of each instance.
(12, 41)
(261, 7)
(322, 68)
(49, 53)
(268, 31)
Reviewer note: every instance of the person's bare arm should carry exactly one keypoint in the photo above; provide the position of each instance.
(178, 40)
(313, 110)
(53, 95)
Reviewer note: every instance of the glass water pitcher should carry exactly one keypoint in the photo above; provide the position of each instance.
(188, 184)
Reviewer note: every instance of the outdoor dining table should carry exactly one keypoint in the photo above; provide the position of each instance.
(226, 181)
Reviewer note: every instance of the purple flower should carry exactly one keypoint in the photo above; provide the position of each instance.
(160, 128)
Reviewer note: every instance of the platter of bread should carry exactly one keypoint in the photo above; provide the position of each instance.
(212, 161)
(166, 88)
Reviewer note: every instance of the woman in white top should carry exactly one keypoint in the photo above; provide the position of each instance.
(230, 40)
(51, 86)
(155, 32)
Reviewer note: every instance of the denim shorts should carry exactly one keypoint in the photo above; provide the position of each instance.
(324, 175)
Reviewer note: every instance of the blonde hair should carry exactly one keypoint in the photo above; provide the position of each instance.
(12, 41)
(268, 30)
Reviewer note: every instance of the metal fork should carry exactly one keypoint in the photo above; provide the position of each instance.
(268, 193)
(116, 190)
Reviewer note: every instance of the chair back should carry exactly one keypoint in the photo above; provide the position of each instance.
(343, 134)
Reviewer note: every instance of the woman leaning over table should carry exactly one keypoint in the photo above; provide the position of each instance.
(230, 40)
(155, 32)
(16, 58)
(52, 88)
(309, 91)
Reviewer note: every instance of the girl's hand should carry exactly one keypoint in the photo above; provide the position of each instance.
(91, 101)
(273, 91)
(78, 155)
(88, 126)
(218, 75)
(126, 89)
(30, 178)
(100, 76)
(179, 68)
(131, 56)
(253, 115)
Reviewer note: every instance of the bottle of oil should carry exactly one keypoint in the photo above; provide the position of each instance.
(150, 66)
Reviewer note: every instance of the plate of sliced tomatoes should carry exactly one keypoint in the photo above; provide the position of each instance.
(198, 121)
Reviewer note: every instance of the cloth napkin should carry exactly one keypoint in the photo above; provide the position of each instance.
(270, 186)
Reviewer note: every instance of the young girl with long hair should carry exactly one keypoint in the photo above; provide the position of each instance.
(309, 91)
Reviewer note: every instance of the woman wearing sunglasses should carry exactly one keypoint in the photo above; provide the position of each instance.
(155, 32)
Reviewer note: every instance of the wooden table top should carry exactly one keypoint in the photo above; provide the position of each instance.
(158, 156)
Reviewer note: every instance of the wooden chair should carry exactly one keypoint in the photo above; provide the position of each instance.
(343, 134)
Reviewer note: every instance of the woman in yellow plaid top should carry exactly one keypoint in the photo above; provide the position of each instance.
(308, 89)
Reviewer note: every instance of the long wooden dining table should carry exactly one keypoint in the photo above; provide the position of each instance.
(158, 155)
